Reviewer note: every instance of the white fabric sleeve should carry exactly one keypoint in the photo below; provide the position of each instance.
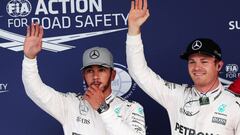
(45, 97)
(160, 90)
(236, 119)
(133, 124)
(237, 132)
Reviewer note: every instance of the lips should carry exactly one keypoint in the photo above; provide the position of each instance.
(198, 74)
(96, 83)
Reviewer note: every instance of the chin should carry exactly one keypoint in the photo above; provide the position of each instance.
(198, 82)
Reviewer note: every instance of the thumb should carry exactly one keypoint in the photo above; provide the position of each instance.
(101, 87)
(146, 15)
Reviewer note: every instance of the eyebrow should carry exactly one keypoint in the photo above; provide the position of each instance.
(203, 59)
(91, 66)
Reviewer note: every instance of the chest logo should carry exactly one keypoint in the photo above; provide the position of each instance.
(83, 109)
(222, 108)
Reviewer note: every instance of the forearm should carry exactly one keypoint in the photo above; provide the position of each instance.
(150, 82)
(138, 68)
(44, 96)
(31, 79)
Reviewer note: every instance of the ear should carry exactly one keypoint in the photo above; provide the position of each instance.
(83, 76)
(220, 65)
(82, 72)
(113, 75)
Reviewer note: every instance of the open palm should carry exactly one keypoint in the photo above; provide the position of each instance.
(138, 14)
(33, 41)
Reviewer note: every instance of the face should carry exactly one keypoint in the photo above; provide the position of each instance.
(99, 76)
(203, 70)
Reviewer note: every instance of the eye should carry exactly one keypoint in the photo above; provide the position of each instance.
(205, 61)
(102, 69)
(191, 62)
(88, 70)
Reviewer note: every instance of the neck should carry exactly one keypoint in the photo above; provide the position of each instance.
(210, 87)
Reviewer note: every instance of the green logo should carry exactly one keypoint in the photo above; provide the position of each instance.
(117, 111)
(140, 111)
(222, 108)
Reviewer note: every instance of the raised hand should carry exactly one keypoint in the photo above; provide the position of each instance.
(137, 16)
(33, 41)
(94, 96)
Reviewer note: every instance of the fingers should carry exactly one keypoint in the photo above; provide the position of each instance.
(28, 31)
(94, 87)
(132, 4)
(137, 4)
(145, 6)
(147, 14)
(140, 4)
(32, 32)
(94, 90)
(93, 96)
(89, 92)
(41, 32)
(35, 30)
(101, 87)
(85, 97)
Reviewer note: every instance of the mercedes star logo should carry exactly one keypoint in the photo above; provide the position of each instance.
(83, 109)
(196, 45)
(94, 54)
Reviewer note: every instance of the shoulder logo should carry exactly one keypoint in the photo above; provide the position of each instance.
(140, 111)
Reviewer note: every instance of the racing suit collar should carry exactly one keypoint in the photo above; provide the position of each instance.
(109, 98)
(213, 94)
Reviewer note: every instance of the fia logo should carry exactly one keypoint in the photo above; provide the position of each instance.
(231, 70)
(19, 8)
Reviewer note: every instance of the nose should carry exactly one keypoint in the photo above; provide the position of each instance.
(95, 75)
(197, 66)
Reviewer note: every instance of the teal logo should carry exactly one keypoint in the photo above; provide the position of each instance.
(117, 111)
(222, 108)
(140, 111)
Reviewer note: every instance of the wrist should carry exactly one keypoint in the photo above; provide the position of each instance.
(133, 31)
(103, 107)
(30, 57)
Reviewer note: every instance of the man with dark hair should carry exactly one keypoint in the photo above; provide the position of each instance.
(205, 108)
(98, 111)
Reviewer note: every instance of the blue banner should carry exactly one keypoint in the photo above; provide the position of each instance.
(72, 26)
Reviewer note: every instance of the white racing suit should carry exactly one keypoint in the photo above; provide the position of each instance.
(76, 115)
(187, 117)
